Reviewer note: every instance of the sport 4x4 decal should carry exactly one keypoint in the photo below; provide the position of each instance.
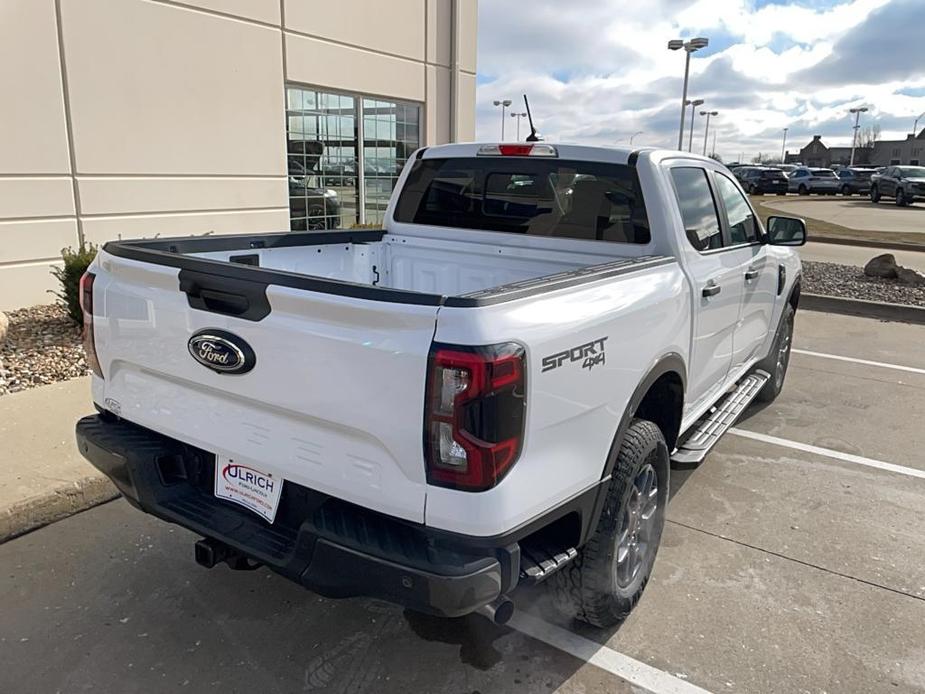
(589, 354)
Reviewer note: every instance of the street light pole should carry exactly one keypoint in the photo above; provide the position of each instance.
(638, 132)
(857, 124)
(689, 47)
(518, 116)
(783, 147)
(706, 132)
(915, 125)
(503, 104)
(693, 104)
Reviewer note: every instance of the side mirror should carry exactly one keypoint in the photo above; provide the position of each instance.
(786, 231)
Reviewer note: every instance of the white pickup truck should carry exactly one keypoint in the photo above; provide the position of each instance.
(487, 392)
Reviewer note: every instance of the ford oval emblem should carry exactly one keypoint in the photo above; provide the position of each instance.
(222, 351)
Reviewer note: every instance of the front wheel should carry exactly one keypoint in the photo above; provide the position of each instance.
(901, 198)
(846, 191)
(607, 578)
(778, 360)
(875, 194)
(803, 190)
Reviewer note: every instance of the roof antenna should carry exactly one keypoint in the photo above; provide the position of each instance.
(533, 136)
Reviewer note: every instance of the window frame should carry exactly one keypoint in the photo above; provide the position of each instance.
(708, 175)
(724, 215)
(360, 136)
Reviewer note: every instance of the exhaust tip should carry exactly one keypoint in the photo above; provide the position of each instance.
(499, 610)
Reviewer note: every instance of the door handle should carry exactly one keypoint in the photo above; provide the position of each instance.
(711, 290)
(751, 274)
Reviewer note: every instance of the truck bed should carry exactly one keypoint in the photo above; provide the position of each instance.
(377, 265)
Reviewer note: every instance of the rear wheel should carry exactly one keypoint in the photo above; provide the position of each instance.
(778, 360)
(846, 191)
(803, 190)
(607, 578)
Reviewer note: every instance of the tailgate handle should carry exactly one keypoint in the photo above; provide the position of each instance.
(225, 295)
(218, 301)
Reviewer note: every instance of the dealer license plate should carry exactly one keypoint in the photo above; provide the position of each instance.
(243, 484)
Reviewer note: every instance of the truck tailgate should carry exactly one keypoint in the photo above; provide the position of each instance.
(334, 401)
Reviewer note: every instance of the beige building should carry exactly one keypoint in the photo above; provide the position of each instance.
(132, 118)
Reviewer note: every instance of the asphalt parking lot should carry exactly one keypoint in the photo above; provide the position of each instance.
(792, 561)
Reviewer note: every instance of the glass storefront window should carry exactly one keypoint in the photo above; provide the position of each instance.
(324, 156)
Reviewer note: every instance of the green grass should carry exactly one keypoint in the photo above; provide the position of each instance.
(820, 229)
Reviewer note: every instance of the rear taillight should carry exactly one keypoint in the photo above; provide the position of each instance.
(474, 414)
(86, 304)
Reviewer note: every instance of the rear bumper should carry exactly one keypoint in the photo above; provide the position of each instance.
(329, 546)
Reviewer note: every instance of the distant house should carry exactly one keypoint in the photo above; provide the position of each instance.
(884, 153)
(909, 151)
(816, 153)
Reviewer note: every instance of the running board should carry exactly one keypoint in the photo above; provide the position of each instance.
(708, 431)
(538, 562)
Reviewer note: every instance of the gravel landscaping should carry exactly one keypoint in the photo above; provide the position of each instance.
(41, 347)
(851, 282)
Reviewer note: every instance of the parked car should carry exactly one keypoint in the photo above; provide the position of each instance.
(788, 168)
(762, 180)
(480, 395)
(311, 208)
(854, 179)
(806, 180)
(905, 184)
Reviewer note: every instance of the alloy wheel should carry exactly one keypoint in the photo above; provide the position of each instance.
(636, 538)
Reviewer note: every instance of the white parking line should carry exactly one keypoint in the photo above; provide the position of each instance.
(866, 362)
(829, 453)
(633, 671)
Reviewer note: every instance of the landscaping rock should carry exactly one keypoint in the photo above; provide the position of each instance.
(850, 282)
(4, 326)
(42, 346)
(913, 278)
(882, 266)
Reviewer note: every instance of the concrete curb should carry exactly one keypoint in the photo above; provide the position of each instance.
(55, 504)
(888, 245)
(859, 307)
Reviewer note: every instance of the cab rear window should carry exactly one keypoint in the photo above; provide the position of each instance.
(537, 197)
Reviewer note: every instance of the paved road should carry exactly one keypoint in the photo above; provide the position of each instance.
(859, 255)
(854, 212)
(780, 570)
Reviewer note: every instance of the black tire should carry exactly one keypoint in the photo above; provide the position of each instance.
(846, 191)
(591, 588)
(874, 194)
(778, 360)
(900, 198)
(803, 190)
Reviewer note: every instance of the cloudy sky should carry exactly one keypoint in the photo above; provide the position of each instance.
(597, 71)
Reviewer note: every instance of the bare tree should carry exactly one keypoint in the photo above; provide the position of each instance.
(716, 157)
(759, 158)
(868, 137)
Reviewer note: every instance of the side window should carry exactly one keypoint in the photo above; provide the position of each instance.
(742, 225)
(698, 209)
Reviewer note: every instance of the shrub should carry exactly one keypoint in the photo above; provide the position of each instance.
(75, 265)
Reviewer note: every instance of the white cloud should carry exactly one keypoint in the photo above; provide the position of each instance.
(598, 70)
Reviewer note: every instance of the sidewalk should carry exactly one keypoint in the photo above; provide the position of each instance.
(858, 255)
(42, 476)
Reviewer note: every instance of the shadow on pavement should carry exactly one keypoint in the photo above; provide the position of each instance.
(111, 600)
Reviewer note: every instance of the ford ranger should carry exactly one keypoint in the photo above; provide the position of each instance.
(485, 393)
